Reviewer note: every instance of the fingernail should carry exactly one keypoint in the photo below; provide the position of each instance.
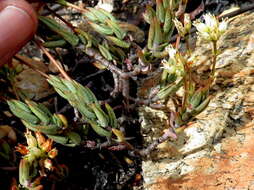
(16, 28)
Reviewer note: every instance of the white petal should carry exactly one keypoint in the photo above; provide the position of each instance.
(223, 26)
(107, 5)
(211, 21)
(201, 27)
(171, 51)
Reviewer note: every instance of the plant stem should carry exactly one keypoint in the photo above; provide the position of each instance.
(187, 83)
(178, 39)
(58, 66)
(168, 133)
(91, 52)
(214, 52)
(187, 77)
(187, 42)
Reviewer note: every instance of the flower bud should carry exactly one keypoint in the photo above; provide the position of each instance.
(47, 146)
(187, 22)
(48, 164)
(31, 140)
(40, 138)
(53, 153)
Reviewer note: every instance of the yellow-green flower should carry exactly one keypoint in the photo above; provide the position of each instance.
(184, 28)
(180, 28)
(187, 22)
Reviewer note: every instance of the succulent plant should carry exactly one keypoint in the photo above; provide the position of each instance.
(111, 42)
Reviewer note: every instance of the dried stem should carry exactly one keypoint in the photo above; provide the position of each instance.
(116, 85)
(58, 66)
(75, 7)
(181, 9)
(97, 56)
(19, 58)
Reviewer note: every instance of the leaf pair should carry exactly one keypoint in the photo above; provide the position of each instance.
(37, 117)
(86, 103)
(105, 23)
(60, 30)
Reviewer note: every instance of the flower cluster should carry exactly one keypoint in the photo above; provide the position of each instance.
(212, 29)
(38, 152)
(175, 62)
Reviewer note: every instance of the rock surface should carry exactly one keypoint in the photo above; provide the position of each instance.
(216, 150)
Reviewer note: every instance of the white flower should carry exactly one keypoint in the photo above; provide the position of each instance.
(201, 27)
(166, 65)
(171, 51)
(174, 64)
(106, 5)
(223, 26)
(211, 21)
(212, 29)
(172, 67)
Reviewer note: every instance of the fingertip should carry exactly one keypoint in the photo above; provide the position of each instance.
(23, 5)
(18, 23)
